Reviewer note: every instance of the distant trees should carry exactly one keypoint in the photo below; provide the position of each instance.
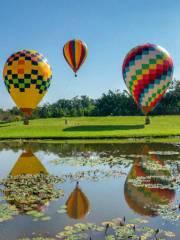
(109, 104)
(116, 104)
(77, 106)
(170, 103)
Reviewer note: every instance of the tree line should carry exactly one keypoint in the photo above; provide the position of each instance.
(113, 103)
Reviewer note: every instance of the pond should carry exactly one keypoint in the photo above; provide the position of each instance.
(89, 191)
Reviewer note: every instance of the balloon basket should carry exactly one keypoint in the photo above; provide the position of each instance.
(26, 120)
(147, 120)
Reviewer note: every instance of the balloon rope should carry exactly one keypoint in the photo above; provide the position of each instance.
(147, 120)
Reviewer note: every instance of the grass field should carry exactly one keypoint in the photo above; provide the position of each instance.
(92, 128)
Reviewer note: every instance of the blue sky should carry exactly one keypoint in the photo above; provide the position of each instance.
(109, 27)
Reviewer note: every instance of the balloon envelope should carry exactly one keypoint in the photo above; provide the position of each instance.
(147, 71)
(27, 77)
(75, 52)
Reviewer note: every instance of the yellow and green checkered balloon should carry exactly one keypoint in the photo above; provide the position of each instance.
(27, 76)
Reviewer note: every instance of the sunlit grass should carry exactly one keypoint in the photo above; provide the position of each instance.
(93, 127)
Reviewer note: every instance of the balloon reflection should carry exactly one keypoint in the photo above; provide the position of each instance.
(146, 198)
(28, 163)
(28, 186)
(77, 204)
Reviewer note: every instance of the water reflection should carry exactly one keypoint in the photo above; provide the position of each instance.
(28, 186)
(28, 163)
(105, 170)
(145, 199)
(77, 204)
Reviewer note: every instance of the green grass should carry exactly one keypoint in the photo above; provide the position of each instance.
(93, 128)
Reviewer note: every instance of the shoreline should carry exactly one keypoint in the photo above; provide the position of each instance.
(76, 140)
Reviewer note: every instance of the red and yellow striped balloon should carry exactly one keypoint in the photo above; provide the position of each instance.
(75, 52)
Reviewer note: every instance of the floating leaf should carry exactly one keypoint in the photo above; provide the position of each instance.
(169, 234)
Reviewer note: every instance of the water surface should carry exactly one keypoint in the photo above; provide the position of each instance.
(106, 187)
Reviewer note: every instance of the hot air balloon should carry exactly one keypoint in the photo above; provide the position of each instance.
(145, 200)
(75, 52)
(147, 71)
(77, 204)
(27, 76)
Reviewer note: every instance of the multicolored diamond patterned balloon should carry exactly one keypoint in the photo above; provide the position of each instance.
(147, 71)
